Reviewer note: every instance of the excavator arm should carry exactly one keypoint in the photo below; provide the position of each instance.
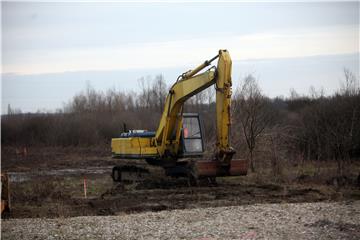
(171, 120)
(187, 86)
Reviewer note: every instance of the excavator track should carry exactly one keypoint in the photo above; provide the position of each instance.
(198, 173)
(129, 174)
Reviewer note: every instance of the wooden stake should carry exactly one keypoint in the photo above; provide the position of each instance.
(85, 187)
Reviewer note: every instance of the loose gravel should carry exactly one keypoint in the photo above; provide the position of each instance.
(322, 220)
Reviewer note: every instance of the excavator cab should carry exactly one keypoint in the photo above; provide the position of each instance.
(193, 144)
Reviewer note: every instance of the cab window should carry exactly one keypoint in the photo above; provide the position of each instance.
(192, 135)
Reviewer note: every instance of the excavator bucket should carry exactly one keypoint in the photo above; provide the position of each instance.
(209, 168)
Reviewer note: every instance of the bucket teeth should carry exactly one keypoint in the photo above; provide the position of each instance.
(208, 168)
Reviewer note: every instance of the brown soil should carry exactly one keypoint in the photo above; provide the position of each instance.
(41, 194)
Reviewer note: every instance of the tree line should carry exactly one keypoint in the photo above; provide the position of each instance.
(308, 127)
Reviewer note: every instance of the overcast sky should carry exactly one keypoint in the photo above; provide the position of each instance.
(50, 50)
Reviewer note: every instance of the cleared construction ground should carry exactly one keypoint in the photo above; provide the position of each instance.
(47, 202)
(337, 220)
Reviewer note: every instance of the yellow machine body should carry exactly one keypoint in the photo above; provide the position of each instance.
(133, 147)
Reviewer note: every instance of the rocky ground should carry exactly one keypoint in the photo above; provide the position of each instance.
(322, 220)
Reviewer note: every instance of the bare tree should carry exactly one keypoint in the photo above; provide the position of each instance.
(251, 110)
(159, 92)
(350, 85)
(294, 94)
(330, 126)
(145, 92)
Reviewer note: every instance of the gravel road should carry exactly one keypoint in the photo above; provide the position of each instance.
(322, 220)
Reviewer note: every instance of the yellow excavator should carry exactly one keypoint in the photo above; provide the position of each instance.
(177, 145)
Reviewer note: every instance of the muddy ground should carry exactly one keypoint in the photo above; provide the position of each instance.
(50, 183)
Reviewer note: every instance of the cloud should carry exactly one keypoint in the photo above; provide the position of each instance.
(288, 43)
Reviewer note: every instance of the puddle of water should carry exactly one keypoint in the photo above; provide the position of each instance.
(18, 176)
(25, 176)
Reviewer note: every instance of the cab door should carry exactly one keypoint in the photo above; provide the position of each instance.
(192, 135)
